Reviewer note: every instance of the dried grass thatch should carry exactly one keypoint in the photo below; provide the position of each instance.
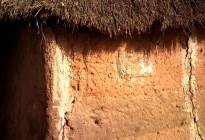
(110, 16)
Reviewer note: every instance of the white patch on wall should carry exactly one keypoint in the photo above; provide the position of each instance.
(61, 83)
(130, 64)
(145, 68)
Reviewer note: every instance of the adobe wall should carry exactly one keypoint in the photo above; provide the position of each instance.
(82, 85)
(147, 87)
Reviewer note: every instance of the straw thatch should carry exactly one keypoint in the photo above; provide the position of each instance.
(110, 16)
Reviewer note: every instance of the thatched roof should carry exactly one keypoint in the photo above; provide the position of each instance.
(110, 16)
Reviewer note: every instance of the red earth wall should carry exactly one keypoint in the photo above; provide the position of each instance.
(125, 88)
(82, 85)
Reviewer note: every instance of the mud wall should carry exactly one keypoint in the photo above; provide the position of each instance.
(22, 85)
(144, 87)
(58, 84)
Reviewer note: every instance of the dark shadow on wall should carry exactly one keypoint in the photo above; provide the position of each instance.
(86, 41)
(23, 100)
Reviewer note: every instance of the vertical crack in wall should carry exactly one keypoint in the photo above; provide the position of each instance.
(190, 87)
